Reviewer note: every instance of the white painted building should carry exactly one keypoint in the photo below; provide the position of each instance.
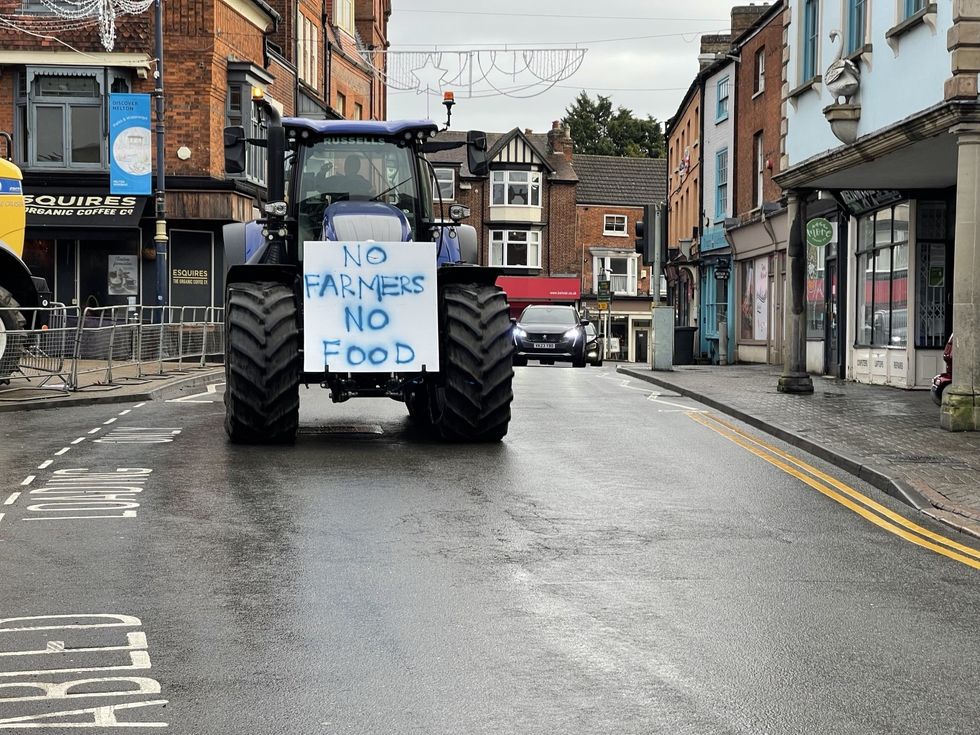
(881, 167)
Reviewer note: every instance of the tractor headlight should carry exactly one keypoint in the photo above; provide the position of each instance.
(571, 334)
(276, 209)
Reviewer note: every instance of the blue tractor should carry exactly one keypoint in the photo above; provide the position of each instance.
(337, 188)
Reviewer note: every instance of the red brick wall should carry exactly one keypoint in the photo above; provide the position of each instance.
(682, 192)
(761, 113)
(562, 248)
(590, 223)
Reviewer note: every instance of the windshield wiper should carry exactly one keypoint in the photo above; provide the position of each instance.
(390, 188)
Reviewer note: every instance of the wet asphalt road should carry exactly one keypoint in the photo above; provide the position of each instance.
(612, 567)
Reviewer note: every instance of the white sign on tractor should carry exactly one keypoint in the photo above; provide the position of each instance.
(370, 307)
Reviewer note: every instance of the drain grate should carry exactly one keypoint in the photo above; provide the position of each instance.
(351, 430)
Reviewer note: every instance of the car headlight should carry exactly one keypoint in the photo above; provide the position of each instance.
(571, 334)
(518, 332)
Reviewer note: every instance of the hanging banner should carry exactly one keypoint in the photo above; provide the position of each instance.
(130, 157)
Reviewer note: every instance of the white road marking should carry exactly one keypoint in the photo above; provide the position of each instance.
(61, 451)
(28, 480)
(212, 389)
(79, 440)
(123, 413)
(140, 405)
(124, 514)
(96, 430)
(144, 685)
(12, 498)
(1, 516)
(110, 421)
(136, 641)
(655, 397)
(45, 463)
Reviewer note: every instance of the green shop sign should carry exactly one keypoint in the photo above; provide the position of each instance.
(819, 232)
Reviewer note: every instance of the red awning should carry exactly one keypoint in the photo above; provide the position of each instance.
(523, 288)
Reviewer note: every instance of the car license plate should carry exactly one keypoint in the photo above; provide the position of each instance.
(544, 345)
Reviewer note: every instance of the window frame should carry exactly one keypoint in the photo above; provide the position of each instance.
(256, 157)
(721, 183)
(759, 164)
(759, 72)
(503, 177)
(601, 264)
(613, 231)
(343, 15)
(533, 240)
(27, 102)
(856, 33)
(809, 60)
(723, 92)
(438, 184)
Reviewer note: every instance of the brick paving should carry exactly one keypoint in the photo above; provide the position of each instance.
(891, 431)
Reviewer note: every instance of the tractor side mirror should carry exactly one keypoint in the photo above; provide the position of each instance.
(476, 152)
(234, 149)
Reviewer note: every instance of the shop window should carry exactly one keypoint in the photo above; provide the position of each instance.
(721, 113)
(932, 284)
(883, 273)
(444, 184)
(241, 111)
(614, 224)
(515, 248)
(811, 36)
(516, 188)
(857, 15)
(715, 301)
(59, 120)
(754, 299)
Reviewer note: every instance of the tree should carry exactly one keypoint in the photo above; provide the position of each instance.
(596, 129)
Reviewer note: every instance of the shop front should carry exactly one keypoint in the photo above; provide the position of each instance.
(717, 315)
(88, 245)
(826, 287)
(526, 290)
(760, 277)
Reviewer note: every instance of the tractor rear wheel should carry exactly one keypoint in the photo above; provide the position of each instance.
(11, 345)
(471, 403)
(262, 368)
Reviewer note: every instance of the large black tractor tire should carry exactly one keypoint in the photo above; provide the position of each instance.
(262, 364)
(471, 402)
(11, 345)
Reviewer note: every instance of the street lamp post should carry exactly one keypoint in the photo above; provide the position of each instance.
(160, 235)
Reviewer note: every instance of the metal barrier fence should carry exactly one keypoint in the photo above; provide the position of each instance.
(67, 349)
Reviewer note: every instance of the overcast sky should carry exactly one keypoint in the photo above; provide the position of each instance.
(647, 75)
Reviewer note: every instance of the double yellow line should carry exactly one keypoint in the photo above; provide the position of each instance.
(841, 493)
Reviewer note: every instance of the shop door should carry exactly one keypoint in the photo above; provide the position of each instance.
(832, 335)
(641, 346)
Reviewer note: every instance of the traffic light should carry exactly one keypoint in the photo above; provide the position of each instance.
(650, 233)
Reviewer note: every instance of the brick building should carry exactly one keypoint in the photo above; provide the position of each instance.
(54, 101)
(610, 196)
(523, 211)
(758, 230)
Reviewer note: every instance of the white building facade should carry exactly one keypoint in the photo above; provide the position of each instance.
(887, 165)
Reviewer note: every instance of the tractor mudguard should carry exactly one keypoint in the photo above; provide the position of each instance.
(243, 243)
(263, 272)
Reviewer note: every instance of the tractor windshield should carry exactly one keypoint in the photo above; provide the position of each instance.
(355, 168)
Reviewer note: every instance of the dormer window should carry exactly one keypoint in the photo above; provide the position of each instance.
(516, 188)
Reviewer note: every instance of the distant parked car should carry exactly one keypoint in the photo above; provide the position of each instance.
(550, 334)
(941, 381)
(593, 346)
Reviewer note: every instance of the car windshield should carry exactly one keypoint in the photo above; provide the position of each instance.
(350, 167)
(560, 315)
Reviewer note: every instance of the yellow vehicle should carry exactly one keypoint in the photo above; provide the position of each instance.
(20, 293)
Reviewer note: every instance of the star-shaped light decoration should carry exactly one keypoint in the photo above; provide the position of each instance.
(429, 76)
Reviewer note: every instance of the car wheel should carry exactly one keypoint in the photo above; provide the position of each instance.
(937, 394)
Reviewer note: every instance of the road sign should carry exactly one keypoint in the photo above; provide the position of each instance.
(603, 290)
(603, 305)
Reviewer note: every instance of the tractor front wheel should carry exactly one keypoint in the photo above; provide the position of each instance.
(471, 402)
(262, 368)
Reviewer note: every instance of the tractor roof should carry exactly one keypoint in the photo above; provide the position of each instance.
(361, 127)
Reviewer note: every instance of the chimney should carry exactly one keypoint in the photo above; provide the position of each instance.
(528, 132)
(559, 141)
(743, 16)
(711, 45)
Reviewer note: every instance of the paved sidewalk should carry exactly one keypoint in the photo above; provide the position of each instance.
(887, 436)
(126, 386)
